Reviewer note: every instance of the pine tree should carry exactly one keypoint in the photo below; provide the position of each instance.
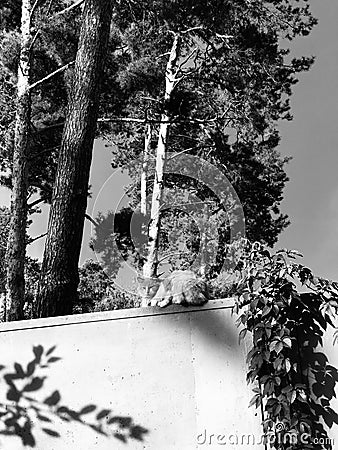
(59, 273)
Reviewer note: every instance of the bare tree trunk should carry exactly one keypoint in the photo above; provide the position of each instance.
(16, 247)
(59, 273)
(150, 266)
(204, 242)
(144, 173)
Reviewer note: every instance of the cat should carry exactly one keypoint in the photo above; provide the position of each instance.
(181, 287)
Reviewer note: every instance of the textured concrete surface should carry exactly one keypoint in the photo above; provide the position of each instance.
(178, 373)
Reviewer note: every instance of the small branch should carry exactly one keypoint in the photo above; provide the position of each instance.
(36, 202)
(48, 150)
(60, 69)
(155, 121)
(49, 6)
(34, 7)
(64, 11)
(170, 255)
(50, 127)
(189, 30)
(36, 238)
(224, 37)
(183, 151)
(33, 41)
(88, 217)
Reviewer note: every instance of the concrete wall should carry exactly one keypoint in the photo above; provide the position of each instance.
(174, 378)
(177, 373)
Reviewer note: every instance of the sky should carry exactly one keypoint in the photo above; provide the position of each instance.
(311, 195)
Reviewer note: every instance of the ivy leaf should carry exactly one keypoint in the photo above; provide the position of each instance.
(293, 396)
(279, 347)
(242, 334)
(287, 389)
(266, 310)
(287, 342)
(255, 400)
(302, 396)
(273, 345)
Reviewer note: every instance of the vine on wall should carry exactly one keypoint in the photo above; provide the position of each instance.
(293, 382)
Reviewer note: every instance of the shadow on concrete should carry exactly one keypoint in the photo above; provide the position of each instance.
(22, 412)
(217, 325)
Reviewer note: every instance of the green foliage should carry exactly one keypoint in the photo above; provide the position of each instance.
(294, 383)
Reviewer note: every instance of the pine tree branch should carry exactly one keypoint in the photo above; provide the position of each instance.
(36, 202)
(33, 41)
(93, 221)
(60, 69)
(157, 121)
(36, 238)
(34, 7)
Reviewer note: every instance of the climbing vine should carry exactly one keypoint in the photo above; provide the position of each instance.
(293, 381)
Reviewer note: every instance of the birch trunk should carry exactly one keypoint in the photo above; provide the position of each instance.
(144, 173)
(16, 247)
(59, 272)
(150, 265)
(204, 242)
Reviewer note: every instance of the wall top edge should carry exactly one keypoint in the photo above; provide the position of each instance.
(119, 314)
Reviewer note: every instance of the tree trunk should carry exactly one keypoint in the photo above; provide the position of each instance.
(203, 250)
(59, 272)
(16, 247)
(144, 173)
(150, 266)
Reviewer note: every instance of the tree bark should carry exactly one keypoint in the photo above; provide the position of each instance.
(59, 272)
(16, 247)
(144, 173)
(150, 266)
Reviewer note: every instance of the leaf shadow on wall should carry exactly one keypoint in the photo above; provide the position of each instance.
(22, 412)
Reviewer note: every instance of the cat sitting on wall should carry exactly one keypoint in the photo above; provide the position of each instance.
(181, 287)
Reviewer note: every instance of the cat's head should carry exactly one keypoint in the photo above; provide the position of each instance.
(148, 286)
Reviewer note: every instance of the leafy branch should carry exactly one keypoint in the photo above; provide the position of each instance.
(293, 382)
